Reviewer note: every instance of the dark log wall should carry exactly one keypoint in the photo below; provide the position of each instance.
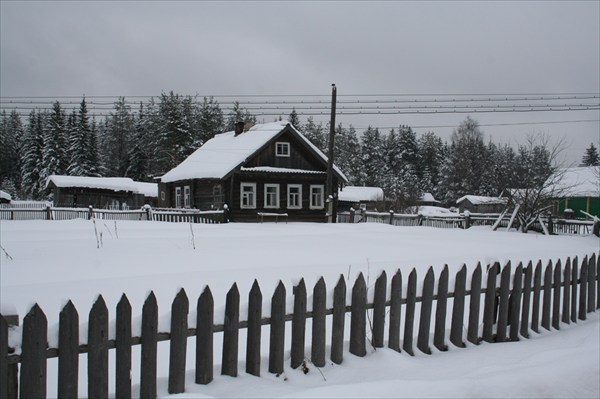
(83, 197)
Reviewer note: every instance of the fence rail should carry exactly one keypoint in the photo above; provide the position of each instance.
(162, 215)
(526, 298)
(462, 221)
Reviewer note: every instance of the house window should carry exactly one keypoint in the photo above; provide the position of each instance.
(282, 149)
(162, 195)
(248, 195)
(271, 195)
(177, 197)
(294, 196)
(186, 196)
(317, 192)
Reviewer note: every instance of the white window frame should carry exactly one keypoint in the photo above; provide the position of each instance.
(267, 194)
(252, 199)
(162, 195)
(284, 146)
(321, 198)
(187, 196)
(177, 197)
(298, 195)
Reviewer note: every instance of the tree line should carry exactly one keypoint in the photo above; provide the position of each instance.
(146, 142)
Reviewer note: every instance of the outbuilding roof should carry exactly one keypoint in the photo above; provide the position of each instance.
(5, 195)
(105, 183)
(225, 152)
(481, 200)
(579, 182)
(357, 194)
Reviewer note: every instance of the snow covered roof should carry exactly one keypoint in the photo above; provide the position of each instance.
(480, 200)
(5, 195)
(428, 197)
(272, 169)
(104, 183)
(225, 152)
(580, 182)
(357, 194)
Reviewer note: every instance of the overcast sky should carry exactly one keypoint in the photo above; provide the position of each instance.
(140, 48)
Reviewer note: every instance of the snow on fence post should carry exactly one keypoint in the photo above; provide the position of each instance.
(379, 310)
(317, 354)
(515, 302)
(358, 317)
(33, 354)
(474, 306)
(149, 342)
(277, 333)
(504, 303)
(411, 299)
(395, 311)
(338, 322)
(440, 311)
(458, 308)
(98, 350)
(574, 278)
(68, 355)
(254, 330)
(490, 303)
(90, 212)
(298, 325)
(556, 297)
(231, 331)
(123, 349)
(178, 342)
(204, 337)
(425, 319)
(583, 285)
(391, 216)
(527, 280)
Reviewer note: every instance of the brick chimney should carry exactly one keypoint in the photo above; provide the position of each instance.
(239, 128)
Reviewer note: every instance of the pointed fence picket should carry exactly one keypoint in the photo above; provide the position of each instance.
(509, 313)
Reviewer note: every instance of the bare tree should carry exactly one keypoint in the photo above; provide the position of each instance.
(540, 171)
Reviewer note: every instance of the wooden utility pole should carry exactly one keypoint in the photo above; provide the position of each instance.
(331, 195)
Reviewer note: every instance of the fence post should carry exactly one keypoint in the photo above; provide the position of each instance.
(379, 310)
(318, 324)
(48, 212)
(98, 350)
(149, 343)
(148, 216)
(535, 311)
(68, 354)
(591, 303)
(338, 322)
(425, 319)
(474, 306)
(467, 220)
(298, 325)
(231, 332)
(547, 303)
(566, 308)
(411, 299)
(123, 349)
(504, 303)
(528, 275)
(490, 303)
(458, 308)
(516, 303)
(583, 285)
(358, 317)
(391, 216)
(352, 215)
(33, 354)
(556, 297)
(90, 212)
(574, 277)
(277, 334)
(254, 330)
(440, 311)
(204, 337)
(395, 311)
(178, 342)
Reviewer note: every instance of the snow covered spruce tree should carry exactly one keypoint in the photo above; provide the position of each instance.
(372, 158)
(315, 133)
(294, 119)
(83, 150)
(210, 121)
(347, 147)
(54, 159)
(238, 114)
(591, 157)
(138, 168)
(11, 144)
(431, 150)
(116, 139)
(31, 162)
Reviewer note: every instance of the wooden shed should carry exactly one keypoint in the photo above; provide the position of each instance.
(100, 192)
(268, 169)
(481, 204)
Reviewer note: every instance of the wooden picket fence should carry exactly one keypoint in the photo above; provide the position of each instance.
(158, 215)
(527, 298)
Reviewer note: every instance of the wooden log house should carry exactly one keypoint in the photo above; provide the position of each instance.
(267, 170)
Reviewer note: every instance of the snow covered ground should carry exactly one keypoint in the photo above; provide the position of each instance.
(54, 261)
